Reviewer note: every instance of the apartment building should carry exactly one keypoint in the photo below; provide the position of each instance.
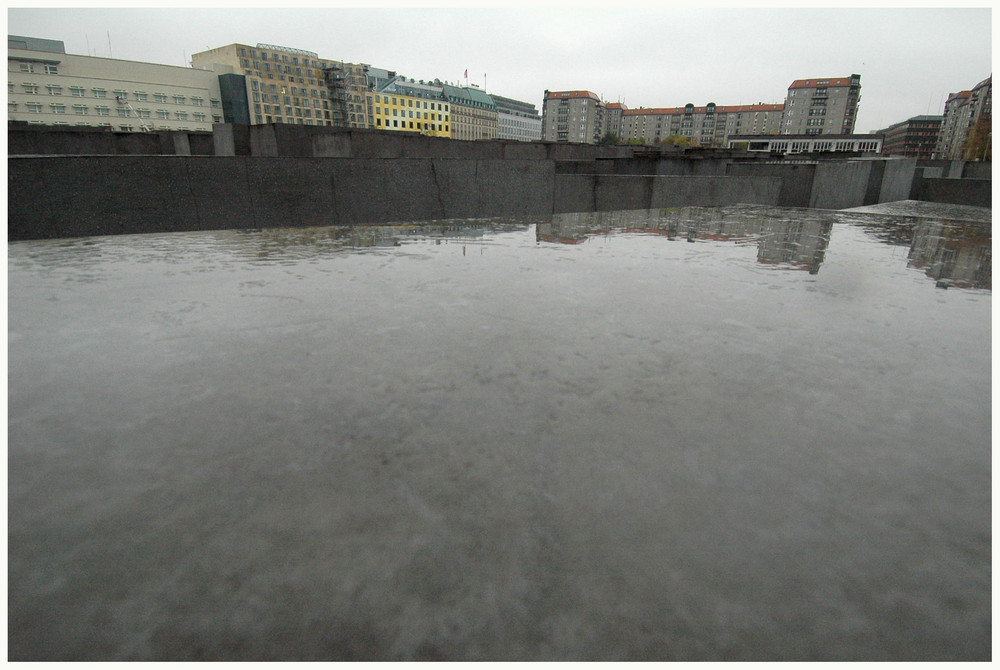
(963, 111)
(707, 126)
(45, 85)
(473, 113)
(572, 116)
(288, 85)
(822, 106)
(517, 120)
(916, 137)
(410, 106)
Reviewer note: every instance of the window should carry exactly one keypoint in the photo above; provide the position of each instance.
(162, 114)
(79, 109)
(199, 102)
(54, 89)
(102, 111)
(217, 118)
(179, 100)
(121, 93)
(215, 102)
(122, 112)
(30, 88)
(199, 117)
(58, 108)
(76, 91)
(141, 96)
(142, 113)
(27, 67)
(126, 128)
(159, 97)
(34, 107)
(99, 92)
(182, 116)
(11, 107)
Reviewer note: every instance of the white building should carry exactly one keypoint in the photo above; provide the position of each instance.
(517, 120)
(45, 85)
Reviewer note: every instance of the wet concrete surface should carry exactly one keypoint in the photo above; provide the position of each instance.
(745, 433)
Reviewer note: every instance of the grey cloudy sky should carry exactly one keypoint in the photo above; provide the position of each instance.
(909, 59)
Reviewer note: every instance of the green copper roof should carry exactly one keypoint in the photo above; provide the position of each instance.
(471, 97)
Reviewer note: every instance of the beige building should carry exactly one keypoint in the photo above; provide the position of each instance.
(572, 116)
(286, 85)
(825, 106)
(45, 85)
(707, 126)
(473, 113)
(962, 112)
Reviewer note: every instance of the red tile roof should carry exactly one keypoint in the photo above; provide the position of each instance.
(813, 83)
(556, 95)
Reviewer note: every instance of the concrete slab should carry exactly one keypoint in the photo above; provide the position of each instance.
(645, 437)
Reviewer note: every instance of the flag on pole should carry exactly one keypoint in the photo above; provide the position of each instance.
(466, 73)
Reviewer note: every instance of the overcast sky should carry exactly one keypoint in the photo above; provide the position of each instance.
(909, 59)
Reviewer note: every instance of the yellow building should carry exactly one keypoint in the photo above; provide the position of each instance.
(412, 108)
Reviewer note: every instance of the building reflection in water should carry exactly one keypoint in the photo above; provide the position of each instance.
(953, 253)
(790, 238)
(290, 244)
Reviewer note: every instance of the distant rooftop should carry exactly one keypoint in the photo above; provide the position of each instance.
(35, 44)
(828, 81)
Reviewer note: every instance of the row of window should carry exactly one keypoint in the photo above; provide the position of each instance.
(47, 68)
(414, 125)
(303, 112)
(285, 90)
(100, 110)
(280, 58)
(139, 96)
(408, 102)
(433, 116)
(126, 127)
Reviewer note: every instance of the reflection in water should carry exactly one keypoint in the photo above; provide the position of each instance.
(953, 253)
(282, 244)
(790, 238)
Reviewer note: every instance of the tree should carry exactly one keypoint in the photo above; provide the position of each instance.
(978, 146)
(610, 138)
(678, 141)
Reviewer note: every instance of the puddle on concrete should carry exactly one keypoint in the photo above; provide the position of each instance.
(734, 433)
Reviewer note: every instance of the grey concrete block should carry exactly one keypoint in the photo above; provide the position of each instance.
(714, 191)
(574, 193)
(222, 136)
(796, 179)
(897, 179)
(263, 141)
(840, 184)
(291, 191)
(524, 150)
(972, 192)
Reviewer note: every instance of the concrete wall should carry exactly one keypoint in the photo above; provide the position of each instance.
(973, 192)
(600, 193)
(796, 179)
(841, 184)
(977, 170)
(897, 179)
(67, 196)
(23, 140)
